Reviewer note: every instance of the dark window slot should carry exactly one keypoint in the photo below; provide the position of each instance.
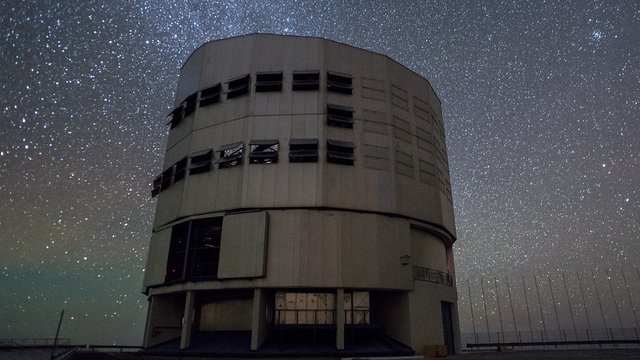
(230, 155)
(303, 156)
(177, 253)
(271, 81)
(181, 169)
(238, 86)
(157, 183)
(210, 95)
(306, 80)
(176, 116)
(340, 152)
(200, 162)
(190, 104)
(339, 83)
(340, 116)
(166, 179)
(340, 158)
(263, 151)
(303, 150)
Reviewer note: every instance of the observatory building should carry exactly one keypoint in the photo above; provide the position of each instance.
(305, 195)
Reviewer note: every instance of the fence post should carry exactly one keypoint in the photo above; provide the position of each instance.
(484, 304)
(555, 308)
(473, 321)
(633, 308)
(615, 301)
(495, 282)
(604, 321)
(584, 304)
(513, 315)
(544, 325)
(526, 300)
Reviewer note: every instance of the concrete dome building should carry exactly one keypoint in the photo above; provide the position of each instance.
(305, 191)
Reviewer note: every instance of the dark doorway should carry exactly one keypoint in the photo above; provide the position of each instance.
(447, 327)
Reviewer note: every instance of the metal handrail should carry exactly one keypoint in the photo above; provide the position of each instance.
(432, 275)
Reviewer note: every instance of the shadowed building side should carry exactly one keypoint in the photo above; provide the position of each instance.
(305, 186)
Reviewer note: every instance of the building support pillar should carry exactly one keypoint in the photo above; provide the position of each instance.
(259, 321)
(187, 321)
(340, 319)
(147, 329)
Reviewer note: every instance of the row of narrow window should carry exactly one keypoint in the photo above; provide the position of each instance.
(260, 152)
(265, 82)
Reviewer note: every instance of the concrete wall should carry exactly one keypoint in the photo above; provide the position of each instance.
(392, 310)
(308, 248)
(263, 313)
(225, 315)
(427, 250)
(164, 319)
(398, 133)
(426, 314)
(311, 248)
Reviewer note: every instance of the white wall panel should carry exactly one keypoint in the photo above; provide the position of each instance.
(243, 245)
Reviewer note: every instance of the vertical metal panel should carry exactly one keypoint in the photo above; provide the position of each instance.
(243, 245)
(157, 258)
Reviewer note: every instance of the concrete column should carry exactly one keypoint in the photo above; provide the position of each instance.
(187, 321)
(256, 317)
(147, 328)
(340, 319)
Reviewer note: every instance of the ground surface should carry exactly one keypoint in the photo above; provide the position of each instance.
(586, 354)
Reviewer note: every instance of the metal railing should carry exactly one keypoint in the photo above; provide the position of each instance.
(109, 348)
(432, 275)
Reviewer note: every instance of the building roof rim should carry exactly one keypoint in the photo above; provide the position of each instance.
(311, 37)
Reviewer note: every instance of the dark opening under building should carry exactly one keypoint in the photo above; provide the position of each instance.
(304, 197)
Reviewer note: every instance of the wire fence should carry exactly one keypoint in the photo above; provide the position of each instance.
(595, 305)
(34, 342)
(553, 335)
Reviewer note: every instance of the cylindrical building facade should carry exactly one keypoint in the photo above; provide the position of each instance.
(305, 186)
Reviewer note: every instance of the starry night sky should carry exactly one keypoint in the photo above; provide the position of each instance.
(541, 107)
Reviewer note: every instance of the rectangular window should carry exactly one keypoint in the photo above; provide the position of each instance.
(205, 247)
(176, 116)
(177, 253)
(340, 152)
(210, 95)
(340, 116)
(306, 80)
(200, 162)
(190, 104)
(263, 151)
(339, 83)
(269, 81)
(230, 155)
(238, 86)
(157, 183)
(166, 179)
(303, 150)
(194, 251)
(181, 169)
